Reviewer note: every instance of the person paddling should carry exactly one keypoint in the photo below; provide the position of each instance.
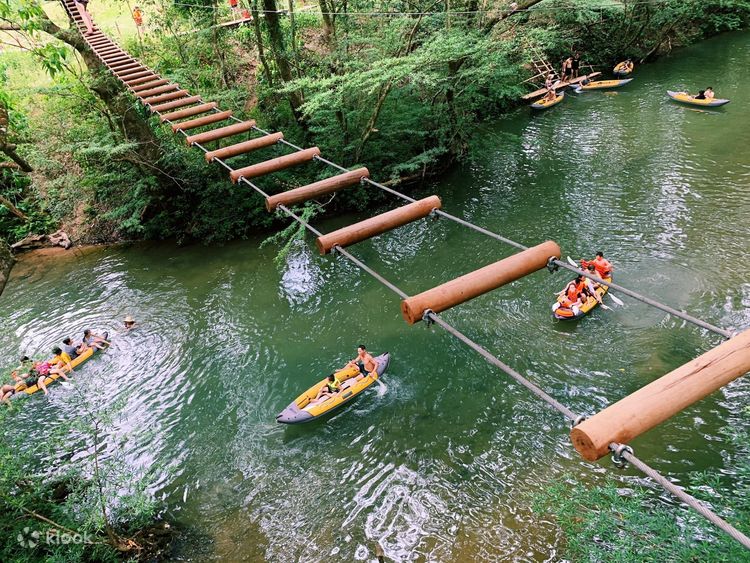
(601, 264)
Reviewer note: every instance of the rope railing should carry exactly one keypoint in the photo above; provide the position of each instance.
(623, 452)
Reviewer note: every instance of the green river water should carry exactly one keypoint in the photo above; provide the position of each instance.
(441, 460)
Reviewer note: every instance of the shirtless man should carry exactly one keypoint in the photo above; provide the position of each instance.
(364, 361)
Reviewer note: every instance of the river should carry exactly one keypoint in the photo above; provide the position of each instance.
(441, 461)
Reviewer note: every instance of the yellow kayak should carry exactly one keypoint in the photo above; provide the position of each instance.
(686, 98)
(566, 313)
(603, 84)
(544, 104)
(620, 69)
(304, 408)
(77, 361)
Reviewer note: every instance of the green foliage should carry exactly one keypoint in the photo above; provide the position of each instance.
(55, 494)
(293, 233)
(613, 523)
(402, 95)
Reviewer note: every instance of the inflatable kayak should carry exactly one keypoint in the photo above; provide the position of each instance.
(77, 361)
(544, 104)
(566, 313)
(686, 98)
(304, 408)
(603, 84)
(620, 69)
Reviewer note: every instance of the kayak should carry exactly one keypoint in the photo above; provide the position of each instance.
(77, 361)
(304, 408)
(566, 313)
(603, 84)
(544, 104)
(620, 70)
(686, 98)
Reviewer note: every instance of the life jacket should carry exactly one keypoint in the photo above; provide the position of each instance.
(603, 267)
(334, 385)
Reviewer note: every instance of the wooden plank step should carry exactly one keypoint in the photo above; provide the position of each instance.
(130, 76)
(274, 165)
(176, 104)
(148, 85)
(244, 147)
(219, 133)
(317, 189)
(201, 121)
(158, 90)
(189, 112)
(142, 80)
(165, 97)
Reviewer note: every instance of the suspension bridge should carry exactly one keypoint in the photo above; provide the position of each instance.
(609, 431)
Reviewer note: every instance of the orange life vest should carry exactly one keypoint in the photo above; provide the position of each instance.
(603, 267)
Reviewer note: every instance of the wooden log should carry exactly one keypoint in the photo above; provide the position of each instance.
(126, 68)
(188, 112)
(201, 121)
(480, 281)
(135, 75)
(142, 80)
(377, 225)
(108, 51)
(661, 399)
(158, 90)
(118, 61)
(311, 191)
(165, 97)
(244, 147)
(148, 85)
(220, 133)
(274, 165)
(182, 102)
(121, 62)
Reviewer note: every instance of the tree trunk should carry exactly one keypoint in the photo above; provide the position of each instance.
(329, 27)
(259, 39)
(280, 56)
(13, 209)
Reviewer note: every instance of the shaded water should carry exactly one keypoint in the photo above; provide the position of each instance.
(440, 462)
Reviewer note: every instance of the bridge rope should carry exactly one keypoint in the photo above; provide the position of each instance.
(622, 452)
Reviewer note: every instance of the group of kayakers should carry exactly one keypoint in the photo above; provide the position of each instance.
(31, 373)
(35, 372)
(363, 361)
(578, 291)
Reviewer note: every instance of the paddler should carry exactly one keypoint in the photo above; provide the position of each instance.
(364, 361)
(601, 264)
(331, 387)
(591, 285)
